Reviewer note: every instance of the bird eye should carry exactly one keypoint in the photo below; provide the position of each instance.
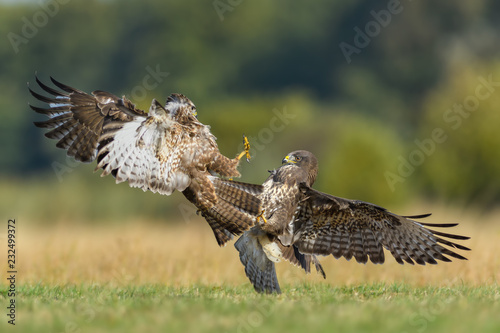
(298, 158)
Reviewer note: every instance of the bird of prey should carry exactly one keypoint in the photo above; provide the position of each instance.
(297, 223)
(162, 150)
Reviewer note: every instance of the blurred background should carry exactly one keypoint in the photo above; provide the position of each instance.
(398, 100)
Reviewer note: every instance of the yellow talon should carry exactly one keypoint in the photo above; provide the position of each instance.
(246, 152)
(261, 216)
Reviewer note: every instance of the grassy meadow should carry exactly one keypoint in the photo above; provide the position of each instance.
(143, 277)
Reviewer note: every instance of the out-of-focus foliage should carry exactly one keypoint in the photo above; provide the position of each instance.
(465, 166)
(276, 72)
(359, 152)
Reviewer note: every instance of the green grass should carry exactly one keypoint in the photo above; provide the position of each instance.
(304, 308)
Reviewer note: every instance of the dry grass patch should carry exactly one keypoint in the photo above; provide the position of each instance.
(183, 254)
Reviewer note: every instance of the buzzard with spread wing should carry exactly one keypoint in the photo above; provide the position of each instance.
(160, 151)
(297, 223)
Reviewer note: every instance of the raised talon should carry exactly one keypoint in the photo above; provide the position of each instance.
(261, 216)
(246, 144)
(246, 152)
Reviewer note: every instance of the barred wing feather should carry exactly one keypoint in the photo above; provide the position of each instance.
(346, 228)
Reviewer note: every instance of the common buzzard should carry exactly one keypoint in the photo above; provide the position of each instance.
(297, 223)
(160, 151)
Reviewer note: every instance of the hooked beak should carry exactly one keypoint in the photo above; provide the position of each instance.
(288, 160)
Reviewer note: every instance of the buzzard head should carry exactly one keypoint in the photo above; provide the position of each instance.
(304, 160)
(181, 109)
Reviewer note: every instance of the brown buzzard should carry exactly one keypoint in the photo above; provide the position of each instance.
(162, 150)
(297, 223)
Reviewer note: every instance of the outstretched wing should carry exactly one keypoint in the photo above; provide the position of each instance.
(325, 225)
(150, 151)
(77, 118)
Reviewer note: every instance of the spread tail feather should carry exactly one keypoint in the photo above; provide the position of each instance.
(258, 268)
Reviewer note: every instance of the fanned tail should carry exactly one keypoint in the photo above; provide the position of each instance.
(258, 268)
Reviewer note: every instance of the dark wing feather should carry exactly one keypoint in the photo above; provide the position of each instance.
(293, 255)
(325, 224)
(234, 211)
(252, 189)
(77, 118)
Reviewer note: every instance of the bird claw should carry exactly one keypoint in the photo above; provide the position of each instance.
(261, 216)
(246, 150)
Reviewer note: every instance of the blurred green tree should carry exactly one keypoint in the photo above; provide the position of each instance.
(242, 65)
(464, 168)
